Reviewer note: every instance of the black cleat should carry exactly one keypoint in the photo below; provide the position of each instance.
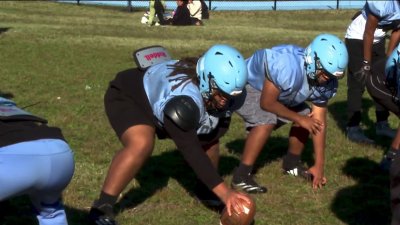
(247, 184)
(298, 171)
(101, 215)
(387, 159)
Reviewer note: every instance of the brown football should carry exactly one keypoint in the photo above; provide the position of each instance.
(244, 218)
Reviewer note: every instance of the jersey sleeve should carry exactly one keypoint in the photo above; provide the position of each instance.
(189, 145)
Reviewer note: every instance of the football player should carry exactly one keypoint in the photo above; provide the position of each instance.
(189, 101)
(281, 80)
(35, 160)
(383, 84)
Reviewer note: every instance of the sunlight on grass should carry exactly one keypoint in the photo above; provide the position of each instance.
(62, 56)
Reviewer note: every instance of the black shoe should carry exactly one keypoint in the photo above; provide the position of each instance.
(247, 184)
(101, 214)
(298, 171)
(356, 134)
(387, 159)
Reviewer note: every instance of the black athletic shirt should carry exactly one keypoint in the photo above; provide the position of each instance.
(15, 131)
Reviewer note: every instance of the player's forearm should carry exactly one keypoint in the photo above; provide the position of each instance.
(368, 42)
(189, 145)
(319, 148)
(368, 38)
(222, 191)
(320, 137)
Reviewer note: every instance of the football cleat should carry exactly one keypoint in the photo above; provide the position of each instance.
(387, 159)
(101, 215)
(247, 184)
(383, 129)
(355, 134)
(298, 171)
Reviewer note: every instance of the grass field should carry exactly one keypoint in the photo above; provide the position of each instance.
(60, 57)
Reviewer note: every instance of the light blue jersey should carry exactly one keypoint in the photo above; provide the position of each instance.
(388, 12)
(9, 108)
(160, 88)
(283, 65)
(10, 111)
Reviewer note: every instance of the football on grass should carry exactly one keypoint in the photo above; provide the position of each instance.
(244, 218)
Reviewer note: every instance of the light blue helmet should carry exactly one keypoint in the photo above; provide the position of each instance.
(392, 67)
(221, 67)
(328, 53)
(392, 73)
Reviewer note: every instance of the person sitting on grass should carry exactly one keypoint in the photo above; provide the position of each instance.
(157, 7)
(181, 15)
(195, 9)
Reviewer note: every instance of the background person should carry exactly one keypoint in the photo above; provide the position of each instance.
(189, 101)
(281, 80)
(384, 15)
(157, 7)
(383, 84)
(35, 160)
(195, 9)
(356, 79)
(181, 15)
(204, 10)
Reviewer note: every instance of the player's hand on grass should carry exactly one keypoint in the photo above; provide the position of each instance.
(318, 178)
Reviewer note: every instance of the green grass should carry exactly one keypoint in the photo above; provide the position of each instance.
(62, 57)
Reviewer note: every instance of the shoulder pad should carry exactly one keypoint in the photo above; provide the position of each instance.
(148, 56)
(183, 111)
